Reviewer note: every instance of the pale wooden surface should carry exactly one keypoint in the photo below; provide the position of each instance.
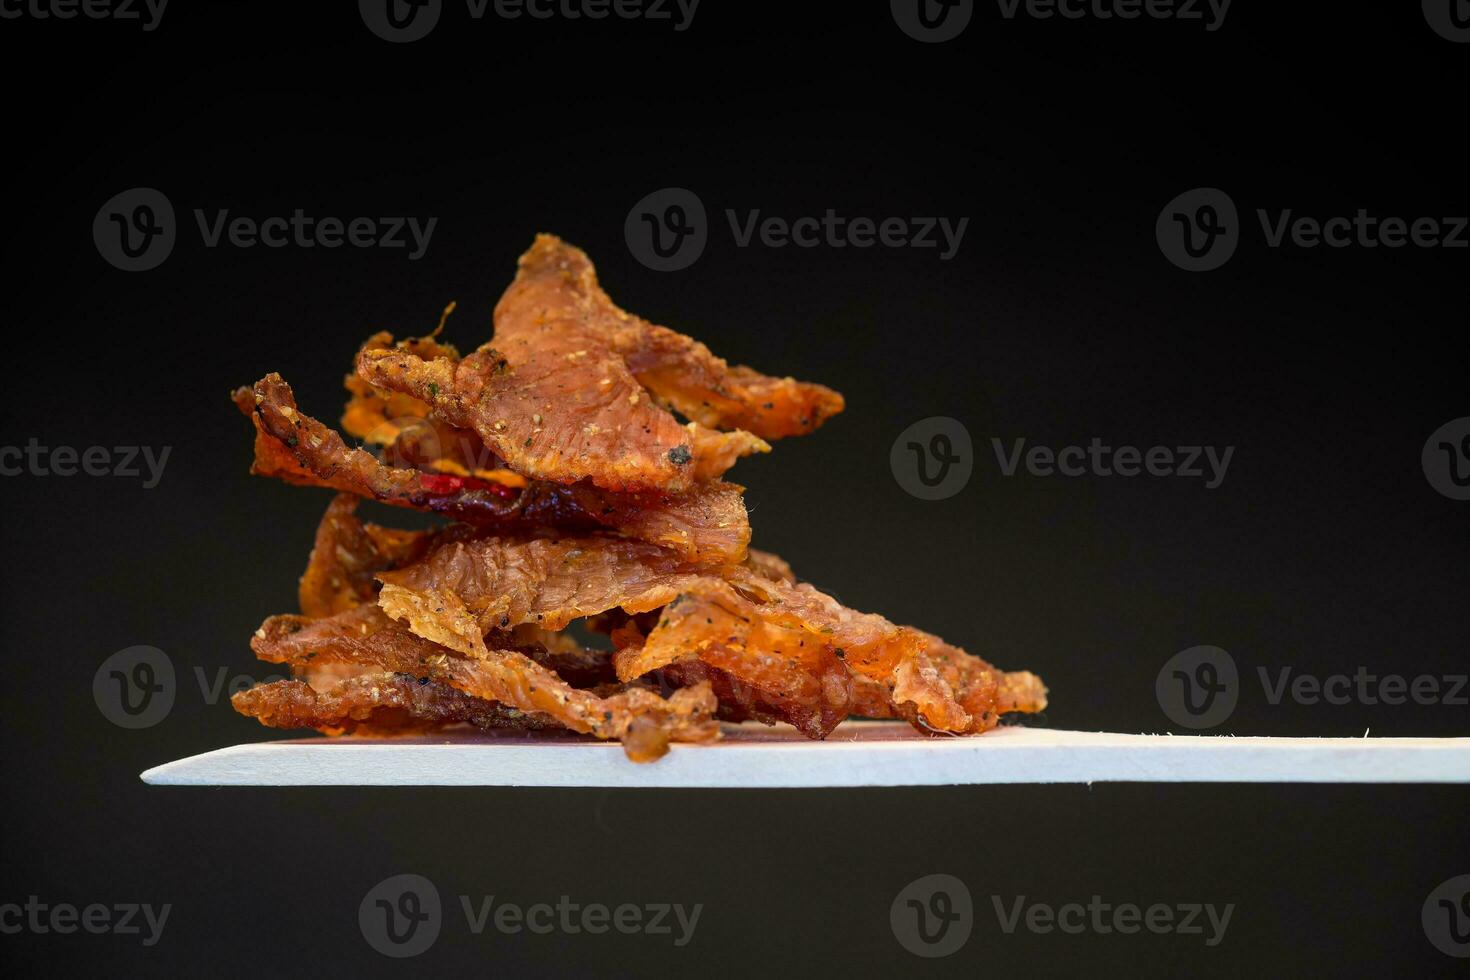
(857, 754)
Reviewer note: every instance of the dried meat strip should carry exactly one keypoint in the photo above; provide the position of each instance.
(707, 524)
(679, 371)
(562, 408)
(346, 557)
(505, 581)
(782, 641)
(377, 704)
(639, 718)
(573, 388)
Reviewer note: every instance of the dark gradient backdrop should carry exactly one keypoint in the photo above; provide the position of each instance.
(1324, 550)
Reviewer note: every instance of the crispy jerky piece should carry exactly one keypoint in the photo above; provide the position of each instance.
(679, 371)
(759, 669)
(558, 396)
(560, 407)
(644, 722)
(348, 553)
(545, 581)
(408, 430)
(931, 684)
(376, 415)
(376, 704)
(762, 632)
(707, 524)
(299, 449)
(754, 628)
(366, 640)
(984, 691)
(371, 412)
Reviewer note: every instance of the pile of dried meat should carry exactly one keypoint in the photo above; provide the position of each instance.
(576, 496)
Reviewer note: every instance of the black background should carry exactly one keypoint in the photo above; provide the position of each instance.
(1059, 320)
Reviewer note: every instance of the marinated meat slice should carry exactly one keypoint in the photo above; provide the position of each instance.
(505, 581)
(347, 555)
(707, 524)
(779, 639)
(560, 407)
(759, 669)
(931, 684)
(983, 690)
(639, 718)
(715, 451)
(365, 640)
(773, 672)
(784, 617)
(375, 414)
(679, 371)
(376, 704)
(407, 429)
(644, 722)
(573, 388)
